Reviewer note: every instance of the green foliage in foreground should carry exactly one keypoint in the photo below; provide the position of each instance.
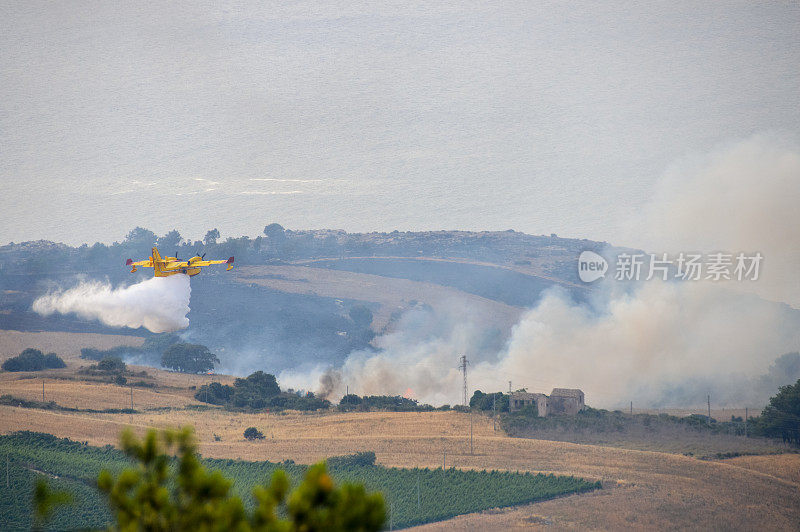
(156, 496)
(413, 496)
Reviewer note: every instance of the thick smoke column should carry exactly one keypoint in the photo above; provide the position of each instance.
(742, 197)
(656, 343)
(159, 304)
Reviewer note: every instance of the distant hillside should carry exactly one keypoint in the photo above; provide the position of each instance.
(291, 298)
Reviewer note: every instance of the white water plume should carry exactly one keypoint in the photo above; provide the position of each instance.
(159, 304)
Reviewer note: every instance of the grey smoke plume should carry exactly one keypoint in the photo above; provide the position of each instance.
(639, 347)
(159, 304)
(743, 197)
(653, 343)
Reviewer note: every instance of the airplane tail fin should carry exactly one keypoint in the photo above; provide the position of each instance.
(157, 262)
(229, 263)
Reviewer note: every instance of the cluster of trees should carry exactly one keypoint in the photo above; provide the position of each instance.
(497, 401)
(276, 242)
(781, 417)
(112, 366)
(168, 349)
(258, 391)
(390, 403)
(33, 360)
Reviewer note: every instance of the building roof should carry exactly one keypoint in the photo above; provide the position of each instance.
(567, 392)
(527, 395)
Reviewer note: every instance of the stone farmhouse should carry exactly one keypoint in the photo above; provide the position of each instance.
(561, 401)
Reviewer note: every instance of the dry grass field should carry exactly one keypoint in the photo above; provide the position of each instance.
(392, 294)
(641, 489)
(67, 387)
(64, 343)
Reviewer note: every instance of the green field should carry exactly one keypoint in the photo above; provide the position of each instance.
(414, 496)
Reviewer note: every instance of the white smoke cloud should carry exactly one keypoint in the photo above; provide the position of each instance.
(640, 346)
(652, 342)
(159, 304)
(743, 197)
(634, 347)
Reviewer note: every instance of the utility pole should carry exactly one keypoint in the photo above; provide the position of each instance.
(631, 407)
(43, 390)
(462, 365)
(494, 412)
(131, 397)
(709, 409)
(509, 387)
(745, 422)
(470, 431)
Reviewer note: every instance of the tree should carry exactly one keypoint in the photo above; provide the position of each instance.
(275, 232)
(171, 240)
(349, 402)
(781, 417)
(256, 390)
(361, 316)
(189, 358)
(139, 236)
(214, 393)
(154, 496)
(111, 365)
(252, 433)
(489, 401)
(211, 237)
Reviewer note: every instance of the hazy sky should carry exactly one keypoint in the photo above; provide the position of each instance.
(541, 117)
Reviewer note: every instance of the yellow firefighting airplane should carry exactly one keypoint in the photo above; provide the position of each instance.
(164, 267)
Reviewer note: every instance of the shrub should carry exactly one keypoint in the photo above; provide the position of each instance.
(366, 458)
(119, 379)
(391, 403)
(111, 365)
(52, 360)
(252, 433)
(214, 393)
(33, 360)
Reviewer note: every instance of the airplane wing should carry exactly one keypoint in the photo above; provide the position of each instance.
(210, 262)
(146, 263)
